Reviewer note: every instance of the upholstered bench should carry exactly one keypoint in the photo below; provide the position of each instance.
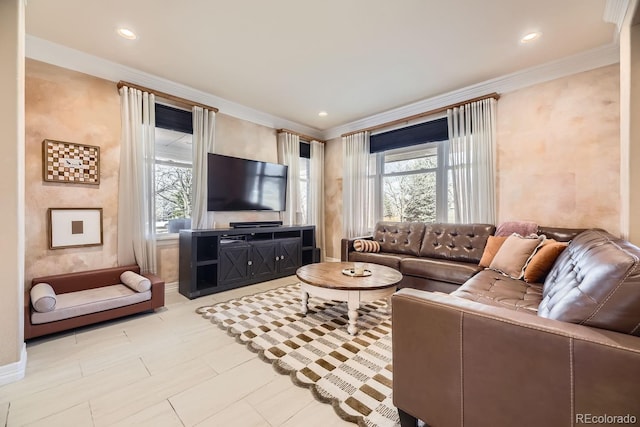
(61, 302)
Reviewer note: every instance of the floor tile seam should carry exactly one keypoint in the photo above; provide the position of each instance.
(176, 412)
(162, 397)
(73, 405)
(257, 410)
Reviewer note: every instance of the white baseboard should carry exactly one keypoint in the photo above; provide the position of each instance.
(14, 371)
(171, 287)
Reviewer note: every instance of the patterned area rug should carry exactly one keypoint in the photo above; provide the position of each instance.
(351, 373)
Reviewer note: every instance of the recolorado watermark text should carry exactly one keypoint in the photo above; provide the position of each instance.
(605, 419)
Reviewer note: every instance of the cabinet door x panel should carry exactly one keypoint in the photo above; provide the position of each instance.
(234, 265)
(263, 257)
(290, 255)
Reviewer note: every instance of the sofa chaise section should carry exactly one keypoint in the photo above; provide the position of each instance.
(499, 351)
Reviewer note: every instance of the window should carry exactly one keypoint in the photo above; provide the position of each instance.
(304, 189)
(305, 162)
(173, 169)
(410, 175)
(413, 184)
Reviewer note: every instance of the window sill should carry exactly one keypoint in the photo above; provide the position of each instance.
(167, 239)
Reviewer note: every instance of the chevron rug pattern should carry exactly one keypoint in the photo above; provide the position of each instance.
(353, 374)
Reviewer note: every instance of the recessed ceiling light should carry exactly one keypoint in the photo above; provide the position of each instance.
(127, 33)
(323, 114)
(530, 37)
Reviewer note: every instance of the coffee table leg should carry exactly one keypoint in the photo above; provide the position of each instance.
(305, 301)
(389, 304)
(353, 304)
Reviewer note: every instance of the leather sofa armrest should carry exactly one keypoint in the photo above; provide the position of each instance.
(346, 246)
(27, 314)
(456, 360)
(157, 290)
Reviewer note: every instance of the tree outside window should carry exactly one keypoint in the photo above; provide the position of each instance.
(173, 175)
(413, 184)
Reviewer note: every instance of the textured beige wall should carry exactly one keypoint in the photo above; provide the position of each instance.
(11, 185)
(558, 152)
(558, 156)
(333, 196)
(69, 106)
(168, 258)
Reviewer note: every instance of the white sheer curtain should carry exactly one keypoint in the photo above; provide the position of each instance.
(356, 203)
(136, 193)
(289, 154)
(472, 130)
(204, 134)
(316, 194)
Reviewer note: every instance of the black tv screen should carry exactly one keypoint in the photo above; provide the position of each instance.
(236, 184)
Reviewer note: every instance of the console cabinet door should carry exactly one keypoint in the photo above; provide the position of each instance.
(289, 255)
(234, 264)
(263, 257)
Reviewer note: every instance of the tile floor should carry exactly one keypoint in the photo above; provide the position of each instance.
(169, 368)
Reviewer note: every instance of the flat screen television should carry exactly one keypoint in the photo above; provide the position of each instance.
(236, 184)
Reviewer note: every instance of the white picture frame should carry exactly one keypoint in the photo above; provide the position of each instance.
(74, 227)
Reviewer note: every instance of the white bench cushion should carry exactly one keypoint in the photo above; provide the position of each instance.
(79, 303)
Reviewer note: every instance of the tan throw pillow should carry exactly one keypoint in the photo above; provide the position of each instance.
(43, 297)
(135, 281)
(366, 246)
(514, 254)
(543, 260)
(491, 249)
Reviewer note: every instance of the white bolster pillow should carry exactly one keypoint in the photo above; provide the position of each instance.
(43, 297)
(135, 281)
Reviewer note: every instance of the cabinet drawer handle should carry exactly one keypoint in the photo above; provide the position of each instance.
(249, 262)
(277, 258)
(282, 257)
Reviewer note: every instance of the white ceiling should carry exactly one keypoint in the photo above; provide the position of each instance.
(351, 58)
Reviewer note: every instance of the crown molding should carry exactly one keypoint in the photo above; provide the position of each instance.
(614, 12)
(65, 57)
(588, 60)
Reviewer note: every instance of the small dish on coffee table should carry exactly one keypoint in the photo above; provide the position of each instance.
(351, 272)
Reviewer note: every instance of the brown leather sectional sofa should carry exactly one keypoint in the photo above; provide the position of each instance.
(502, 352)
(434, 257)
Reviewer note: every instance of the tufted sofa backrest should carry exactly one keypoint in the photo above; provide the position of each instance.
(595, 282)
(456, 242)
(399, 237)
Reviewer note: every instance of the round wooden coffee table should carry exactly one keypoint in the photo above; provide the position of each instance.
(325, 280)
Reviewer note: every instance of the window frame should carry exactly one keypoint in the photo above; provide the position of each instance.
(175, 119)
(441, 170)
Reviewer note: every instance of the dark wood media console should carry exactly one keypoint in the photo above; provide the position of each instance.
(221, 259)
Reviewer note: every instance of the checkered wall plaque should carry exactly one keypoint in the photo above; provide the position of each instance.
(70, 163)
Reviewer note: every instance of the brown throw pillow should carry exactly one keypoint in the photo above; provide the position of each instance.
(491, 249)
(514, 254)
(543, 260)
(366, 246)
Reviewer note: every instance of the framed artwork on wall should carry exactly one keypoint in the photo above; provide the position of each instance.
(70, 163)
(74, 227)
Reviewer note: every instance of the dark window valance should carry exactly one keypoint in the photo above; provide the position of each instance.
(174, 119)
(305, 150)
(435, 130)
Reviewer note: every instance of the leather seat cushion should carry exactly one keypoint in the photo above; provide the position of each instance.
(382, 258)
(492, 288)
(439, 269)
